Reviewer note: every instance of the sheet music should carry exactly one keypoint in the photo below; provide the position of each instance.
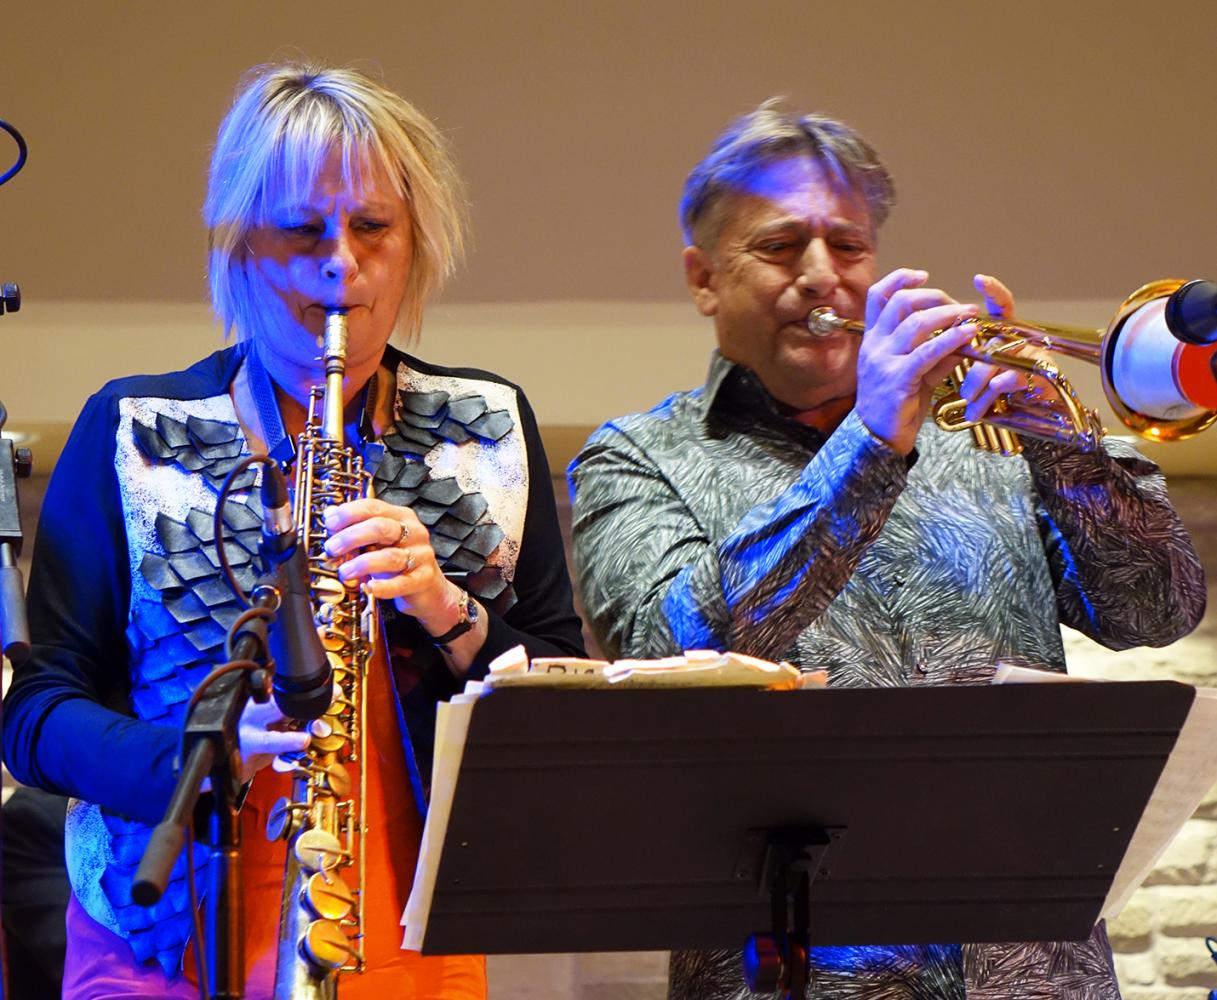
(451, 728)
(514, 669)
(695, 668)
(1189, 773)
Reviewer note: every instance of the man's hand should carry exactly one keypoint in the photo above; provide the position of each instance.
(900, 363)
(985, 384)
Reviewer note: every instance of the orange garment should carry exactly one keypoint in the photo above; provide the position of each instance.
(390, 847)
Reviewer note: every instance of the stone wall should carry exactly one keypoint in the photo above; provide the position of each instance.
(1159, 938)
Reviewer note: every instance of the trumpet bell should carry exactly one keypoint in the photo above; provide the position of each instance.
(1160, 387)
(1160, 381)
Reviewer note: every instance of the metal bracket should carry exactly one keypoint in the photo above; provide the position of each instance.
(785, 862)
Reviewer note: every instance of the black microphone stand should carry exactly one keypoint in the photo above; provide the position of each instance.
(210, 747)
(14, 626)
(15, 463)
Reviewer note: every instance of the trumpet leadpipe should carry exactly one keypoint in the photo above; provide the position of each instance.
(824, 322)
(1160, 383)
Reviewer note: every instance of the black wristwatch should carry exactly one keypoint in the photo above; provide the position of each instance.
(469, 618)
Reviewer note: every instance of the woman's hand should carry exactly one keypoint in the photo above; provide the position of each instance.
(262, 736)
(387, 550)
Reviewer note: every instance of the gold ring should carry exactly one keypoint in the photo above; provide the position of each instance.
(405, 534)
(409, 563)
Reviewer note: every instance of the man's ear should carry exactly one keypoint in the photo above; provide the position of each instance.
(700, 276)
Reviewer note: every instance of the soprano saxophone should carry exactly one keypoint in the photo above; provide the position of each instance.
(321, 912)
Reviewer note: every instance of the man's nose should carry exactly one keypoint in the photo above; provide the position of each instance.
(818, 277)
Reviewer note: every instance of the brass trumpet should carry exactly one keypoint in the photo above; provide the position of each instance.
(1160, 387)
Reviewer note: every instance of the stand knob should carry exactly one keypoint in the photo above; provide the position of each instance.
(762, 964)
(10, 298)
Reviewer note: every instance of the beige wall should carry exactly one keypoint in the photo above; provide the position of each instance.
(1064, 146)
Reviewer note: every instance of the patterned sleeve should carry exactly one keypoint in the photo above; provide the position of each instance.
(1126, 572)
(655, 581)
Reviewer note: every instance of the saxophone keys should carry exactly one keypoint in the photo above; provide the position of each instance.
(327, 734)
(327, 589)
(326, 946)
(328, 896)
(337, 664)
(281, 822)
(338, 780)
(318, 850)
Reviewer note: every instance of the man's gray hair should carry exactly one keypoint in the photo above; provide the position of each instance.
(769, 134)
(284, 124)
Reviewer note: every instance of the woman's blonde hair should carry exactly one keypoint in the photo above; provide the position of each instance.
(283, 125)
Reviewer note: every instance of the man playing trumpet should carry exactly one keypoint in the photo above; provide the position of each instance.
(798, 505)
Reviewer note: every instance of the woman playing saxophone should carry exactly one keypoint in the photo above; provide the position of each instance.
(328, 194)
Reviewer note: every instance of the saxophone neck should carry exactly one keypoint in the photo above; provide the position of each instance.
(335, 357)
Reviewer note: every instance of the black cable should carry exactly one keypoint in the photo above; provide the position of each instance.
(218, 523)
(215, 675)
(155, 866)
(200, 967)
(248, 615)
(22, 152)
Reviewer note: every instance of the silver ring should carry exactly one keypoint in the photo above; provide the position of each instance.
(405, 534)
(409, 563)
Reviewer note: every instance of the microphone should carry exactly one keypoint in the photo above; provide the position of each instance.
(15, 463)
(303, 684)
(1191, 313)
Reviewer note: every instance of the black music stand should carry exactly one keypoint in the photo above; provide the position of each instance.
(639, 820)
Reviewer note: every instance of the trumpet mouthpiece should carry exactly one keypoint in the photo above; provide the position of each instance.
(823, 322)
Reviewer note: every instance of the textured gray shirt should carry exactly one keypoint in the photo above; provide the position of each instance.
(715, 521)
